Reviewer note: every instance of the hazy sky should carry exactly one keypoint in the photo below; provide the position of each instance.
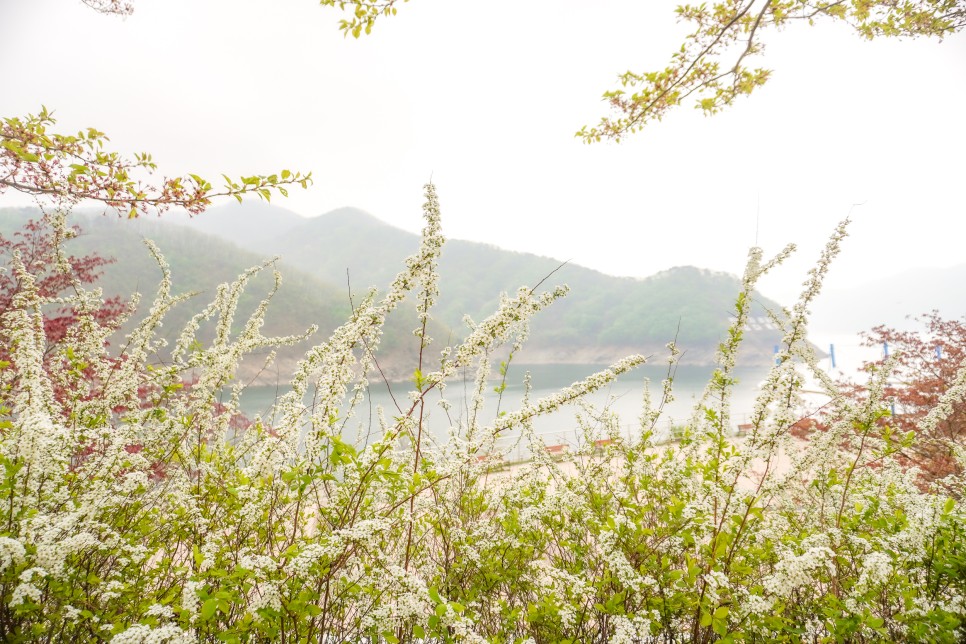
(485, 98)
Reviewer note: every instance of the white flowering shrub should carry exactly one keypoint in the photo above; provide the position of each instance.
(133, 508)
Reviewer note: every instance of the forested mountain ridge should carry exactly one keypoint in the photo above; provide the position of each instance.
(199, 262)
(602, 319)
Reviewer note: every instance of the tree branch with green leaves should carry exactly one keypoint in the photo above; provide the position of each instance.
(73, 168)
(364, 14)
(712, 66)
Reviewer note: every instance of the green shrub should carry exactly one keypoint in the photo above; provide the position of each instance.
(136, 509)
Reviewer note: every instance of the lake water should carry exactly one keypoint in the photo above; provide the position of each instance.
(624, 396)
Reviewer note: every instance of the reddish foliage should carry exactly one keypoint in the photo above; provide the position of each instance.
(926, 361)
(36, 244)
(804, 426)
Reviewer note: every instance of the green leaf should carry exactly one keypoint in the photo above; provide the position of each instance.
(208, 608)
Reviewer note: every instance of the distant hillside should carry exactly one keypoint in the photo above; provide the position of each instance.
(602, 319)
(199, 263)
(244, 224)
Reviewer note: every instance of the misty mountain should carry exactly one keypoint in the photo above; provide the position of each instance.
(242, 224)
(602, 319)
(199, 262)
(892, 300)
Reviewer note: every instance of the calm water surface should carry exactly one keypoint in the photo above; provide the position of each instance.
(623, 396)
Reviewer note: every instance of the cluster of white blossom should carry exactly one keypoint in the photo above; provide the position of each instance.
(190, 601)
(166, 634)
(12, 553)
(954, 393)
(264, 595)
(794, 571)
(132, 508)
(28, 589)
(876, 569)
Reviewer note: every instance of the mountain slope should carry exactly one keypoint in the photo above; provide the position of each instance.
(243, 224)
(199, 263)
(603, 318)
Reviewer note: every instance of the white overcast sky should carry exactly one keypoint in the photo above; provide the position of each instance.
(485, 98)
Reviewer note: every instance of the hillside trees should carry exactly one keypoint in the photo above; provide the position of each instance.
(37, 247)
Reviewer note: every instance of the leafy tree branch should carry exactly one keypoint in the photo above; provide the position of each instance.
(712, 64)
(72, 168)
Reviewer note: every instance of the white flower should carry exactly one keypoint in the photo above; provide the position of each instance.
(166, 634)
(189, 598)
(793, 572)
(876, 570)
(26, 589)
(11, 553)
(160, 610)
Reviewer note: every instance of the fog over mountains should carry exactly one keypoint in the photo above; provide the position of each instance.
(893, 300)
(603, 318)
